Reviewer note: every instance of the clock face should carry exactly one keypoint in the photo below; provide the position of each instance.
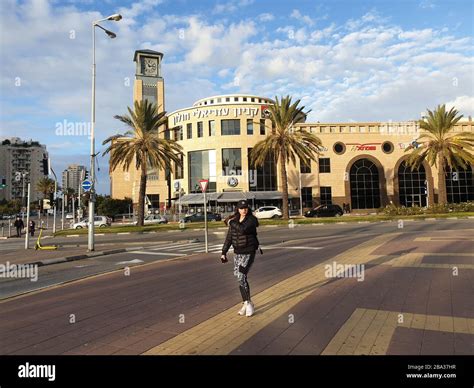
(151, 66)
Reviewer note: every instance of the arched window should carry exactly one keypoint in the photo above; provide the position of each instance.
(364, 182)
(459, 185)
(412, 186)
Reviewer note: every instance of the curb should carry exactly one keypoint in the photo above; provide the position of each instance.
(66, 259)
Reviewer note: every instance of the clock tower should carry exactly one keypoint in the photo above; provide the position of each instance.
(149, 83)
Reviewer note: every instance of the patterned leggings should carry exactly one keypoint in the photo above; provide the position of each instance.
(242, 264)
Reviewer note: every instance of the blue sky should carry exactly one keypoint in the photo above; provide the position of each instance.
(347, 60)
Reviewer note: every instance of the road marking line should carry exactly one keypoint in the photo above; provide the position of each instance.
(156, 253)
(440, 239)
(283, 247)
(224, 332)
(369, 331)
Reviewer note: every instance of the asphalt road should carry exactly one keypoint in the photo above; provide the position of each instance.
(179, 245)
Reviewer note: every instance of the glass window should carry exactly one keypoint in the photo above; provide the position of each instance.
(324, 165)
(305, 166)
(189, 130)
(262, 178)
(245, 99)
(212, 128)
(179, 169)
(154, 200)
(227, 99)
(412, 186)
(307, 196)
(231, 161)
(178, 133)
(230, 127)
(364, 183)
(236, 98)
(326, 195)
(459, 185)
(262, 126)
(249, 127)
(202, 165)
(167, 134)
(212, 102)
(252, 99)
(219, 99)
(200, 129)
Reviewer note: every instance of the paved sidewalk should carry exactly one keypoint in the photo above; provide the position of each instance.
(69, 253)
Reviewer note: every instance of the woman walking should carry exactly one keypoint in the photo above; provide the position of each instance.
(242, 236)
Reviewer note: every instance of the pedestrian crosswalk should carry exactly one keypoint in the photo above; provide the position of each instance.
(183, 249)
(179, 249)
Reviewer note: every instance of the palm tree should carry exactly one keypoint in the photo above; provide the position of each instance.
(45, 186)
(143, 145)
(285, 142)
(439, 146)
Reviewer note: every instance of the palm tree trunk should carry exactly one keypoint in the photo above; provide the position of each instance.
(442, 197)
(284, 187)
(141, 196)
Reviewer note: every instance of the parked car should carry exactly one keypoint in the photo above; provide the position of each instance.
(154, 219)
(325, 211)
(199, 217)
(268, 212)
(69, 216)
(99, 221)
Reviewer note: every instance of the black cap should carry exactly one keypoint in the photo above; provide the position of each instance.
(242, 204)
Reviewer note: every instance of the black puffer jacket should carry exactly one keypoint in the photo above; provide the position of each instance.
(242, 236)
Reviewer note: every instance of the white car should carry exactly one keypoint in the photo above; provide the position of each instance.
(268, 212)
(69, 216)
(154, 219)
(99, 221)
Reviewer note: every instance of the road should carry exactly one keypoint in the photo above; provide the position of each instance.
(170, 295)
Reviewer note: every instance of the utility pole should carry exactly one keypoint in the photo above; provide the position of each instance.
(62, 210)
(27, 235)
(54, 198)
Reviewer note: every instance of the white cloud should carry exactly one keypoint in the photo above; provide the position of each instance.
(296, 14)
(266, 17)
(230, 6)
(464, 104)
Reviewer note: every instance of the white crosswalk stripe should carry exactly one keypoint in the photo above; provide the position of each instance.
(190, 248)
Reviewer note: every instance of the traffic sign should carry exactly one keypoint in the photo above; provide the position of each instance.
(86, 185)
(203, 183)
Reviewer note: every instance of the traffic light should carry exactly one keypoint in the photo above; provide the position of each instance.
(51, 198)
(86, 174)
(4, 183)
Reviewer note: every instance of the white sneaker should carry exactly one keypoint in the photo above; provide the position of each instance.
(243, 309)
(249, 310)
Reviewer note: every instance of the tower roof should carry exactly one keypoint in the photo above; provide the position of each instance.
(146, 51)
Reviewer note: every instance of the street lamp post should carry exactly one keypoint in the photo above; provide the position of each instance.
(90, 241)
(54, 197)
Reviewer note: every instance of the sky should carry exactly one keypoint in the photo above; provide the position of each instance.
(351, 60)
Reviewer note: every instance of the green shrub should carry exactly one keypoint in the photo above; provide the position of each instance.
(393, 210)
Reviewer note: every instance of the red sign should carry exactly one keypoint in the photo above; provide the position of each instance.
(203, 183)
(363, 147)
(265, 112)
